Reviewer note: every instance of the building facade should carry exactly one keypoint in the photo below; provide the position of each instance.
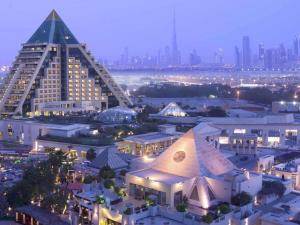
(53, 66)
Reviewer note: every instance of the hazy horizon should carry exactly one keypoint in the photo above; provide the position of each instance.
(107, 27)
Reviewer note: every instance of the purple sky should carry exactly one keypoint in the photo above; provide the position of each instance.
(107, 26)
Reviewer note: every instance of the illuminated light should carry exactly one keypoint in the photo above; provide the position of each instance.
(282, 102)
(154, 183)
(147, 159)
(139, 179)
(179, 185)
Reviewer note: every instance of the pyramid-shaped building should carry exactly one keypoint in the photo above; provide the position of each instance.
(53, 67)
(172, 109)
(195, 168)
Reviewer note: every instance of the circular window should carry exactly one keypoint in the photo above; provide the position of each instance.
(179, 156)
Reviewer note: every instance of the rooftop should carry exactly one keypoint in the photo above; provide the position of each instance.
(159, 176)
(152, 137)
(278, 119)
(284, 212)
(108, 157)
(41, 215)
(53, 30)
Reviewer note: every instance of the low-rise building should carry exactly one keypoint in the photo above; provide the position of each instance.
(243, 144)
(265, 163)
(286, 107)
(285, 212)
(272, 131)
(290, 170)
(150, 143)
(27, 131)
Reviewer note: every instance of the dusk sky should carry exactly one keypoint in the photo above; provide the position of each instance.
(146, 25)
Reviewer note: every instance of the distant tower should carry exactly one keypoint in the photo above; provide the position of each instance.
(176, 59)
(261, 51)
(237, 57)
(246, 53)
(296, 47)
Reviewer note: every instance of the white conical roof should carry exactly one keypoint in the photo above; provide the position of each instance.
(193, 156)
(172, 109)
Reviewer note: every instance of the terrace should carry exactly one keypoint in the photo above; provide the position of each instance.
(80, 139)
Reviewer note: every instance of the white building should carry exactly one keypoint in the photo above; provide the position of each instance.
(285, 212)
(27, 131)
(193, 167)
(286, 107)
(290, 170)
(279, 130)
(150, 143)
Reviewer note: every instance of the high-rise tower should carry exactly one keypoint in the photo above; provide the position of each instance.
(53, 67)
(176, 57)
(246, 53)
(237, 57)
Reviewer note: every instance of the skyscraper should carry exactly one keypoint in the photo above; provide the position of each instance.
(53, 67)
(237, 57)
(246, 53)
(176, 58)
(296, 47)
(195, 59)
(261, 51)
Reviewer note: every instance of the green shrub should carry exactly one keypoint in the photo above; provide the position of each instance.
(273, 187)
(208, 218)
(108, 184)
(241, 199)
(100, 199)
(123, 173)
(91, 154)
(181, 208)
(107, 173)
(88, 179)
(224, 208)
(128, 211)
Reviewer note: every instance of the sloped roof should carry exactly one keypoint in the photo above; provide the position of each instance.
(120, 109)
(270, 119)
(172, 109)
(41, 215)
(192, 156)
(53, 30)
(108, 157)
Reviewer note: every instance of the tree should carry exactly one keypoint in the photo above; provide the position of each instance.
(224, 208)
(216, 112)
(181, 207)
(3, 205)
(241, 199)
(208, 218)
(88, 179)
(90, 154)
(273, 187)
(38, 182)
(108, 184)
(20, 194)
(107, 173)
(123, 172)
(56, 201)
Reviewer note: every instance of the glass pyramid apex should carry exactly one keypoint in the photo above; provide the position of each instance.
(53, 30)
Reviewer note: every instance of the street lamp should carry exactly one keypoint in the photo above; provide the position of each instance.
(238, 94)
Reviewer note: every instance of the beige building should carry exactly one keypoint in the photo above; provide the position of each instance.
(150, 143)
(194, 168)
(53, 66)
(243, 144)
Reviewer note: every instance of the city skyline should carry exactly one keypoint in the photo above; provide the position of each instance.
(153, 24)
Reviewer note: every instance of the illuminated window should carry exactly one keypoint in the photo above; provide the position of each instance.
(239, 131)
